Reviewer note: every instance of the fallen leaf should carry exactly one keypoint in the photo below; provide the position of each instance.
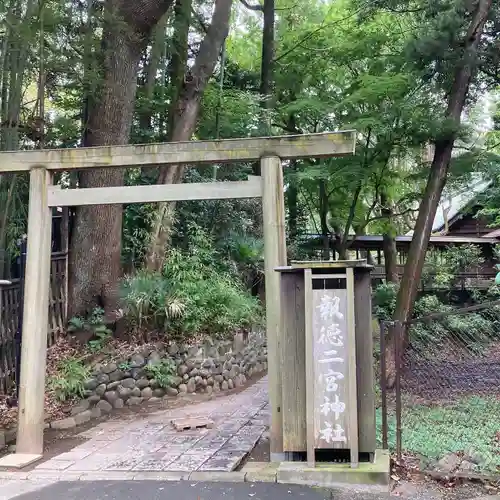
(395, 478)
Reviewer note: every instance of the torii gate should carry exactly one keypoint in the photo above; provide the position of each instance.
(41, 164)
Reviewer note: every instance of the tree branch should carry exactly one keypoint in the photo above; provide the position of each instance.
(257, 7)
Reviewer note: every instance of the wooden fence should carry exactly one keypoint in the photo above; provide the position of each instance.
(10, 296)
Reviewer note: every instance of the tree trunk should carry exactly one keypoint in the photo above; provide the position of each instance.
(95, 250)
(157, 53)
(179, 58)
(186, 116)
(323, 219)
(435, 183)
(389, 241)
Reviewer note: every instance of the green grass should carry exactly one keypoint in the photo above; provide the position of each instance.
(469, 426)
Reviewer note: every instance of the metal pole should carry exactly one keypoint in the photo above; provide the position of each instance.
(22, 270)
(383, 384)
(398, 354)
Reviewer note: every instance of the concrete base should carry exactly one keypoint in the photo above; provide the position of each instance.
(260, 472)
(19, 460)
(335, 474)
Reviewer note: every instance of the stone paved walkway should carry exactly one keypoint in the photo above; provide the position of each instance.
(152, 444)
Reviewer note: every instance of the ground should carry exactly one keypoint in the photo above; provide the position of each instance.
(116, 459)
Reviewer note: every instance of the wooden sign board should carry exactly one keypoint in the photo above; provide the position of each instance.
(330, 368)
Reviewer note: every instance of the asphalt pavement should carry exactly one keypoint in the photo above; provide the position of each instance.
(183, 490)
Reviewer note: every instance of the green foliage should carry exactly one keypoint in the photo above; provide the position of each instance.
(384, 300)
(196, 293)
(95, 324)
(468, 426)
(69, 380)
(162, 372)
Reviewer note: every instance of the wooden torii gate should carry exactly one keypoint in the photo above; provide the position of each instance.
(41, 164)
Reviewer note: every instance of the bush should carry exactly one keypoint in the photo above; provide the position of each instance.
(195, 293)
(69, 381)
(162, 372)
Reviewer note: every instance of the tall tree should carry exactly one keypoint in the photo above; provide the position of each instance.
(465, 69)
(185, 119)
(95, 265)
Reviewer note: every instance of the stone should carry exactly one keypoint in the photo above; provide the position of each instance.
(217, 370)
(134, 401)
(123, 392)
(191, 364)
(173, 349)
(213, 352)
(197, 380)
(137, 373)
(118, 403)
(209, 389)
(203, 382)
(219, 378)
(147, 393)
(193, 351)
(155, 400)
(80, 407)
(208, 363)
(204, 373)
(185, 378)
(100, 389)
(228, 365)
(129, 383)
(110, 396)
(136, 392)
(210, 381)
(230, 383)
(216, 387)
(91, 384)
(95, 412)
(109, 368)
(182, 389)
(154, 358)
(104, 406)
(65, 423)
(113, 385)
(226, 375)
(142, 383)
(448, 463)
(467, 466)
(87, 393)
(243, 379)
(191, 386)
(224, 386)
(94, 399)
(154, 384)
(137, 361)
(171, 391)
(102, 378)
(116, 375)
(236, 381)
(194, 372)
(235, 370)
(83, 417)
(175, 381)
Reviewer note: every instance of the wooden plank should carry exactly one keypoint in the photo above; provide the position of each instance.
(331, 370)
(35, 316)
(309, 340)
(155, 193)
(223, 151)
(273, 209)
(183, 424)
(352, 386)
(293, 361)
(365, 362)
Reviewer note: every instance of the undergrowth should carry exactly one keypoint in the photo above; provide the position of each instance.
(162, 372)
(68, 381)
(195, 293)
(469, 426)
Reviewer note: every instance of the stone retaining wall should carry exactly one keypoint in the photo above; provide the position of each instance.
(209, 367)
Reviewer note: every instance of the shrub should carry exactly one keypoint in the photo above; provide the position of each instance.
(195, 293)
(69, 380)
(162, 372)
